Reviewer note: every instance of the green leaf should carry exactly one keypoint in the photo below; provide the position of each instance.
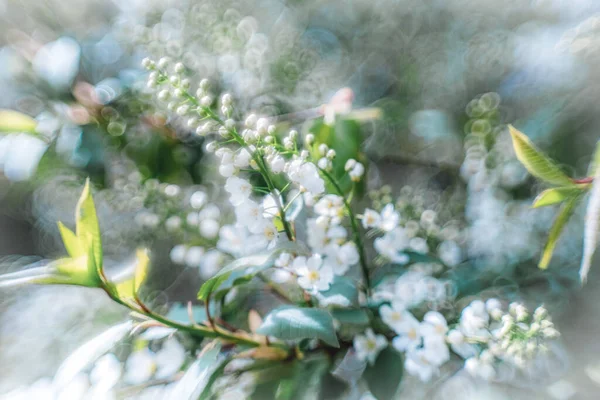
(356, 316)
(13, 121)
(71, 242)
(86, 222)
(341, 293)
(243, 269)
(129, 289)
(557, 227)
(555, 196)
(291, 323)
(536, 162)
(80, 270)
(384, 377)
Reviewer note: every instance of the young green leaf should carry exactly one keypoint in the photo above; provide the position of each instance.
(71, 242)
(557, 227)
(129, 288)
(384, 377)
(86, 222)
(536, 162)
(556, 195)
(291, 322)
(13, 121)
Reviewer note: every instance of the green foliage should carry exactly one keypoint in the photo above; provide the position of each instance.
(384, 377)
(556, 195)
(536, 162)
(557, 227)
(345, 138)
(343, 290)
(242, 270)
(128, 290)
(291, 323)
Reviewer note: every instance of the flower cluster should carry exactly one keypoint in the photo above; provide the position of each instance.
(486, 336)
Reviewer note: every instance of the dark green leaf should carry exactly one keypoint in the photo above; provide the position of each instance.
(351, 316)
(384, 377)
(291, 322)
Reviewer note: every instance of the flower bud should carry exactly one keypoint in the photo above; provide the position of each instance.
(179, 68)
(309, 139)
(163, 62)
(148, 63)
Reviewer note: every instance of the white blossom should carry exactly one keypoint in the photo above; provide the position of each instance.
(312, 274)
(389, 218)
(369, 345)
(239, 190)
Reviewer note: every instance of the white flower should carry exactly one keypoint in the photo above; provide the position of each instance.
(209, 228)
(210, 263)
(435, 350)
(236, 241)
(268, 233)
(169, 359)
(494, 308)
(193, 256)
(419, 245)
(450, 253)
(474, 320)
(410, 289)
(480, 369)
(340, 258)
(371, 219)
(330, 205)
(284, 260)
(173, 223)
(250, 215)
(396, 316)
(357, 172)
(269, 205)
(239, 190)
(409, 334)
(434, 324)
(392, 245)
(306, 175)
(177, 254)
(277, 164)
(459, 345)
(242, 159)
(139, 367)
(418, 364)
(313, 275)
(369, 345)
(389, 218)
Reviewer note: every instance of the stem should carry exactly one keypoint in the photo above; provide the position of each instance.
(255, 155)
(356, 234)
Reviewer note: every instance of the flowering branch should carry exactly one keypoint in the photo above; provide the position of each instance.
(354, 226)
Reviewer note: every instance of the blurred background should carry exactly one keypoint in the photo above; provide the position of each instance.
(442, 72)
